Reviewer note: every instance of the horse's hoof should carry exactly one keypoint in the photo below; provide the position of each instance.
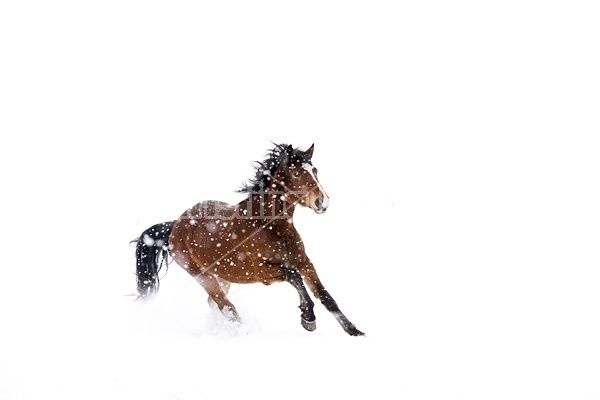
(231, 315)
(352, 331)
(309, 325)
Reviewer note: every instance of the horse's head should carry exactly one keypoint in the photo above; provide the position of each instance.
(299, 179)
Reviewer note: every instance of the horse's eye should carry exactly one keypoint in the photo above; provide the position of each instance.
(296, 174)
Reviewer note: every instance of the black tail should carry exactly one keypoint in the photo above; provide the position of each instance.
(152, 252)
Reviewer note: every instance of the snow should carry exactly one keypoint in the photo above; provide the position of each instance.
(458, 145)
(148, 241)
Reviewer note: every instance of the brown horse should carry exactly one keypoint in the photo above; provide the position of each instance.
(250, 242)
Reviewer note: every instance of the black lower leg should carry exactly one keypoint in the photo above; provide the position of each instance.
(306, 304)
(333, 308)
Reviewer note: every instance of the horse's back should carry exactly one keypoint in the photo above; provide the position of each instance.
(209, 209)
(201, 213)
(198, 217)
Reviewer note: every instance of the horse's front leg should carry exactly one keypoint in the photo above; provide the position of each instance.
(306, 304)
(315, 285)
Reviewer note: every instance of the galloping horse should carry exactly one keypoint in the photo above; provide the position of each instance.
(250, 242)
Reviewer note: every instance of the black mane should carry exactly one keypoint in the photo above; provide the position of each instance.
(264, 171)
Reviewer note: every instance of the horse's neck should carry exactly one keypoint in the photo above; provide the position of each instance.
(267, 206)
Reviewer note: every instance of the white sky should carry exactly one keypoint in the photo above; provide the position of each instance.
(458, 142)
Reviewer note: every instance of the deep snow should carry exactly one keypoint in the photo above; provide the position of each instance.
(458, 145)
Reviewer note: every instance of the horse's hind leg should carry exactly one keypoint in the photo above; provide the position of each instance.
(224, 286)
(217, 292)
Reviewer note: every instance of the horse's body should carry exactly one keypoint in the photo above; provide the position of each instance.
(254, 241)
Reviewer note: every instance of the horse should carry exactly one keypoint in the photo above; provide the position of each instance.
(254, 241)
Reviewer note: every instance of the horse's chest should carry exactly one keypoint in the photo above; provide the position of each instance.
(284, 247)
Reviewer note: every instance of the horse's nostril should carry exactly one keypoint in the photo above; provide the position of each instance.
(319, 202)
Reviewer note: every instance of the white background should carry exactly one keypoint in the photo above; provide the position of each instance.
(458, 142)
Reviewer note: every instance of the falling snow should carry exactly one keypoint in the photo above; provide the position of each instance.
(148, 241)
(211, 226)
(458, 142)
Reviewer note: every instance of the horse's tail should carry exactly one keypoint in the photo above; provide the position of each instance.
(152, 252)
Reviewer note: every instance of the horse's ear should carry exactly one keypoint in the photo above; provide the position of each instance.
(310, 151)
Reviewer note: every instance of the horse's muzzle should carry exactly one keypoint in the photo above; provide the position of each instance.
(320, 206)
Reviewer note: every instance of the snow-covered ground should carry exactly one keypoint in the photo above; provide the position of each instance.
(458, 143)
